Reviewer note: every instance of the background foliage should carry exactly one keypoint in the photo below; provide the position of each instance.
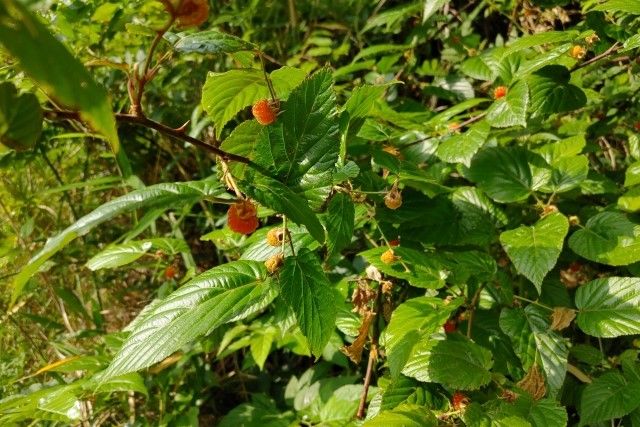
(456, 186)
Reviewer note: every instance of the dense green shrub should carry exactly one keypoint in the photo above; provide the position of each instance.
(320, 213)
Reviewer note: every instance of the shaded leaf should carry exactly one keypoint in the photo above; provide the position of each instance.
(20, 118)
(53, 67)
(339, 222)
(305, 288)
(608, 396)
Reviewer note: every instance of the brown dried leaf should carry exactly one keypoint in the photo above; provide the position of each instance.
(533, 383)
(354, 351)
(562, 318)
(361, 297)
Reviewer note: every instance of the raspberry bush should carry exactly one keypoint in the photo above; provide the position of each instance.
(334, 214)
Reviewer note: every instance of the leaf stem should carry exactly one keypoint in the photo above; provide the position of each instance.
(472, 308)
(144, 76)
(267, 79)
(373, 357)
(152, 124)
(533, 302)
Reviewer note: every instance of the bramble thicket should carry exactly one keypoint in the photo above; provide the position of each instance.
(320, 213)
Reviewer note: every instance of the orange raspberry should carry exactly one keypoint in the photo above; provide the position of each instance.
(170, 272)
(274, 263)
(265, 112)
(192, 13)
(393, 199)
(459, 401)
(577, 52)
(500, 92)
(275, 237)
(242, 217)
(389, 257)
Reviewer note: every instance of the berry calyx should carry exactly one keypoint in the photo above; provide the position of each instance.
(459, 401)
(500, 92)
(592, 39)
(389, 257)
(192, 13)
(577, 52)
(274, 263)
(242, 217)
(265, 112)
(393, 199)
(170, 272)
(275, 237)
(450, 326)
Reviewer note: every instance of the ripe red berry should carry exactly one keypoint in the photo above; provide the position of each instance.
(500, 92)
(192, 13)
(170, 272)
(636, 125)
(459, 401)
(394, 242)
(450, 326)
(575, 267)
(264, 112)
(242, 217)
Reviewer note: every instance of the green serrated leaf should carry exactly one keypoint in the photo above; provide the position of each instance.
(405, 415)
(224, 95)
(414, 320)
(507, 174)
(534, 250)
(305, 288)
(607, 397)
(608, 238)
(416, 267)
(510, 110)
(53, 67)
(339, 222)
(461, 365)
(628, 6)
(567, 173)
(461, 148)
(280, 198)
(223, 294)
(530, 332)
(301, 148)
(552, 93)
(609, 307)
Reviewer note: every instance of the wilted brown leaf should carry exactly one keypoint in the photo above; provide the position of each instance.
(562, 318)
(354, 351)
(533, 383)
